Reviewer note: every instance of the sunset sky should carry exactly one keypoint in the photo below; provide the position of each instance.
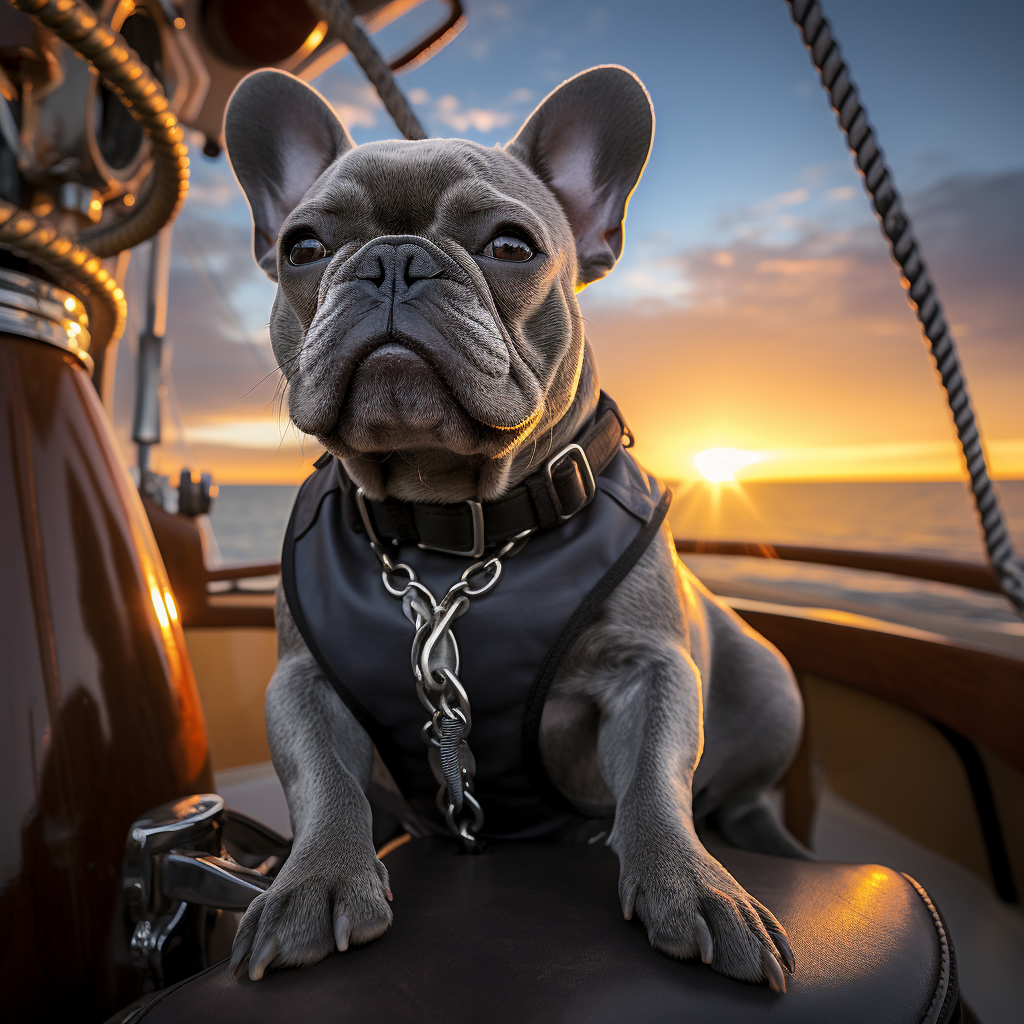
(755, 306)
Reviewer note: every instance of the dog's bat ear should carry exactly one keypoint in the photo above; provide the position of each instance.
(281, 136)
(588, 141)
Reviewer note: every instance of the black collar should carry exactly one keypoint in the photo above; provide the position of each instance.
(558, 490)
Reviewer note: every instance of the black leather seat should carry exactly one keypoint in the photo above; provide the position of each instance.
(535, 933)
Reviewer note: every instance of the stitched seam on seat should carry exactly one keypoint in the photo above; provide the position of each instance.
(143, 1011)
(939, 998)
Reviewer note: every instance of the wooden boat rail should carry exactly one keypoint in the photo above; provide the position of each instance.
(181, 544)
(939, 570)
(971, 689)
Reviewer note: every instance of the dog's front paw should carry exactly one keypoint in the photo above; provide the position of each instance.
(314, 906)
(691, 906)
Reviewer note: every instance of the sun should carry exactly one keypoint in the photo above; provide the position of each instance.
(720, 465)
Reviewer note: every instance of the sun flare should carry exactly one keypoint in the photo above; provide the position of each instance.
(720, 465)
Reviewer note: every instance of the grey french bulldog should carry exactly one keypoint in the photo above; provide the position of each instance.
(697, 716)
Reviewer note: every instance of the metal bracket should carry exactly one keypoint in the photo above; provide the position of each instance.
(182, 864)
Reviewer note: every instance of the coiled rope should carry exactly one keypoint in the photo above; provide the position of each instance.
(340, 17)
(138, 89)
(105, 300)
(135, 86)
(921, 292)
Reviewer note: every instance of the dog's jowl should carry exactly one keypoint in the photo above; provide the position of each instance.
(426, 322)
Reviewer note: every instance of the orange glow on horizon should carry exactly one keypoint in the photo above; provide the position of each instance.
(667, 454)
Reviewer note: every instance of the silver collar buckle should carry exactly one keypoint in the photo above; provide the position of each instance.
(476, 514)
(579, 456)
(364, 514)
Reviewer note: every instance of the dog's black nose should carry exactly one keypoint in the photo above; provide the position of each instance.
(397, 267)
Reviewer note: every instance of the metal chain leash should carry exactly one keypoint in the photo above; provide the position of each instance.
(435, 667)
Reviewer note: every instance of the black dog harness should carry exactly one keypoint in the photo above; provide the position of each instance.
(594, 512)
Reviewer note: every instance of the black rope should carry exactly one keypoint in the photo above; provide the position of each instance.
(988, 813)
(895, 223)
(350, 29)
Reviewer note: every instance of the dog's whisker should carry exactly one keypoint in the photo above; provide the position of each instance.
(276, 369)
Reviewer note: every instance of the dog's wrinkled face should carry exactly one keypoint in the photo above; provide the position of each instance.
(433, 286)
(426, 290)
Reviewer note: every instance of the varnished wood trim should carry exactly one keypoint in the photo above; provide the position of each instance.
(964, 574)
(244, 570)
(229, 615)
(976, 691)
(940, 570)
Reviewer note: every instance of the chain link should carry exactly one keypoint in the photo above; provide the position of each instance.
(435, 667)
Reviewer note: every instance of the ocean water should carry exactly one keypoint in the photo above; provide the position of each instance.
(249, 521)
(922, 518)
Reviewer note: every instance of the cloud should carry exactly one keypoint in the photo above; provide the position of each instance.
(790, 268)
(803, 346)
(353, 116)
(771, 218)
(777, 202)
(259, 432)
(214, 192)
(212, 186)
(810, 343)
(354, 100)
(288, 464)
(450, 112)
(217, 348)
(820, 174)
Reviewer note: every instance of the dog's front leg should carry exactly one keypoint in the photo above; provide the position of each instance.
(649, 742)
(332, 890)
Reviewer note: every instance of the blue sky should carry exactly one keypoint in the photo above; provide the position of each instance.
(748, 171)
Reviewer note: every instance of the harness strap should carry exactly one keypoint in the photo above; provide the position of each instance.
(563, 486)
(581, 618)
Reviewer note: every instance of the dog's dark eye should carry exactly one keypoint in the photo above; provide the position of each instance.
(508, 247)
(306, 250)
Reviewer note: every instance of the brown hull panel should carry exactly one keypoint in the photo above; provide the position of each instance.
(101, 718)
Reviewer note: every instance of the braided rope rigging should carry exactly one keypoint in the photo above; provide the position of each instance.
(339, 15)
(895, 224)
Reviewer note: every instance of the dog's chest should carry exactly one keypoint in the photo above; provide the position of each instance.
(508, 640)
